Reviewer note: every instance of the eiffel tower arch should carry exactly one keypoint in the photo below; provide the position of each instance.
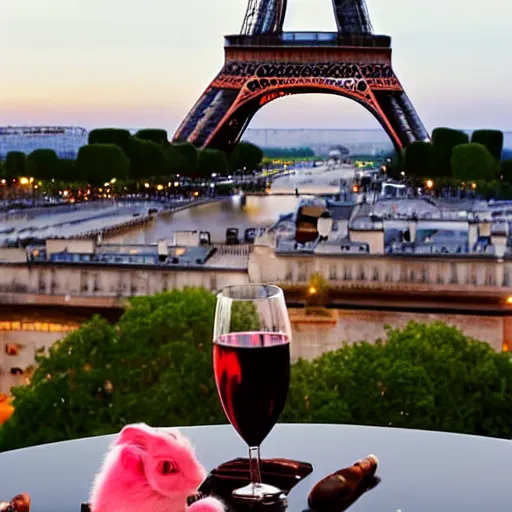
(264, 63)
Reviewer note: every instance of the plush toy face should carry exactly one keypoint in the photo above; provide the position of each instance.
(163, 459)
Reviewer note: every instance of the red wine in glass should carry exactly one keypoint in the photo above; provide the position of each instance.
(252, 373)
(251, 360)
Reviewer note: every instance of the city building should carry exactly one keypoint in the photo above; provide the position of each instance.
(64, 140)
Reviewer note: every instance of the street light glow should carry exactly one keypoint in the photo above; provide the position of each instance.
(430, 184)
(146, 185)
(159, 187)
(312, 290)
(24, 181)
(509, 300)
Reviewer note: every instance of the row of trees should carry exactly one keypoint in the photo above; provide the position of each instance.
(116, 153)
(453, 154)
(154, 365)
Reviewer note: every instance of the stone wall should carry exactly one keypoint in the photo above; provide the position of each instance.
(311, 339)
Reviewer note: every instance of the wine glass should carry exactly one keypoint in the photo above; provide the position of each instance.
(251, 362)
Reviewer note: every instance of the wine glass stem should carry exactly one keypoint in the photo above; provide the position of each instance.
(254, 464)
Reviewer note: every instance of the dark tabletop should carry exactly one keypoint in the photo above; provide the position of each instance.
(420, 471)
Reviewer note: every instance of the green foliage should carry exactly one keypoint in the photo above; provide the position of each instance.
(97, 163)
(115, 136)
(424, 376)
(245, 156)
(153, 366)
(66, 170)
(471, 162)
(42, 164)
(418, 159)
(211, 161)
(443, 142)
(155, 135)
(16, 164)
(146, 159)
(176, 162)
(190, 153)
(491, 139)
(506, 170)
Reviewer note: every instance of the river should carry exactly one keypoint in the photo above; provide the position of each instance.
(214, 217)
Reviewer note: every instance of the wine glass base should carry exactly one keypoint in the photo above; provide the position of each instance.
(257, 492)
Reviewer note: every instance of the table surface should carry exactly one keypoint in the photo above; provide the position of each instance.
(420, 471)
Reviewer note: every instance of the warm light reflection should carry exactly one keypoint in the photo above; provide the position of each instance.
(509, 300)
(37, 326)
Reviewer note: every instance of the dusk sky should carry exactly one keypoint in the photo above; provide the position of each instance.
(138, 63)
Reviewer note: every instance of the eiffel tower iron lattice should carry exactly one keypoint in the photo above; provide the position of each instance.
(263, 63)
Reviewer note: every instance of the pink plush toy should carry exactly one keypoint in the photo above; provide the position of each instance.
(150, 470)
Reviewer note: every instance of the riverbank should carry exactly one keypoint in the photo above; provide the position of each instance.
(113, 232)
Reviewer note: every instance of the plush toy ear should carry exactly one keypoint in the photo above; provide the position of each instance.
(137, 433)
(131, 459)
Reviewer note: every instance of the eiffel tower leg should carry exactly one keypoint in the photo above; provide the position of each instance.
(208, 111)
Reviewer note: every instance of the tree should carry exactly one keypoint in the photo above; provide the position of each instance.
(443, 142)
(190, 153)
(115, 136)
(43, 164)
(491, 139)
(211, 161)
(472, 162)
(506, 170)
(147, 159)
(419, 159)
(97, 163)
(245, 156)
(153, 366)
(155, 135)
(15, 164)
(66, 170)
(423, 376)
(176, 162)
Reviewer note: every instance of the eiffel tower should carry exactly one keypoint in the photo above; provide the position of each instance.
(263, 63)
